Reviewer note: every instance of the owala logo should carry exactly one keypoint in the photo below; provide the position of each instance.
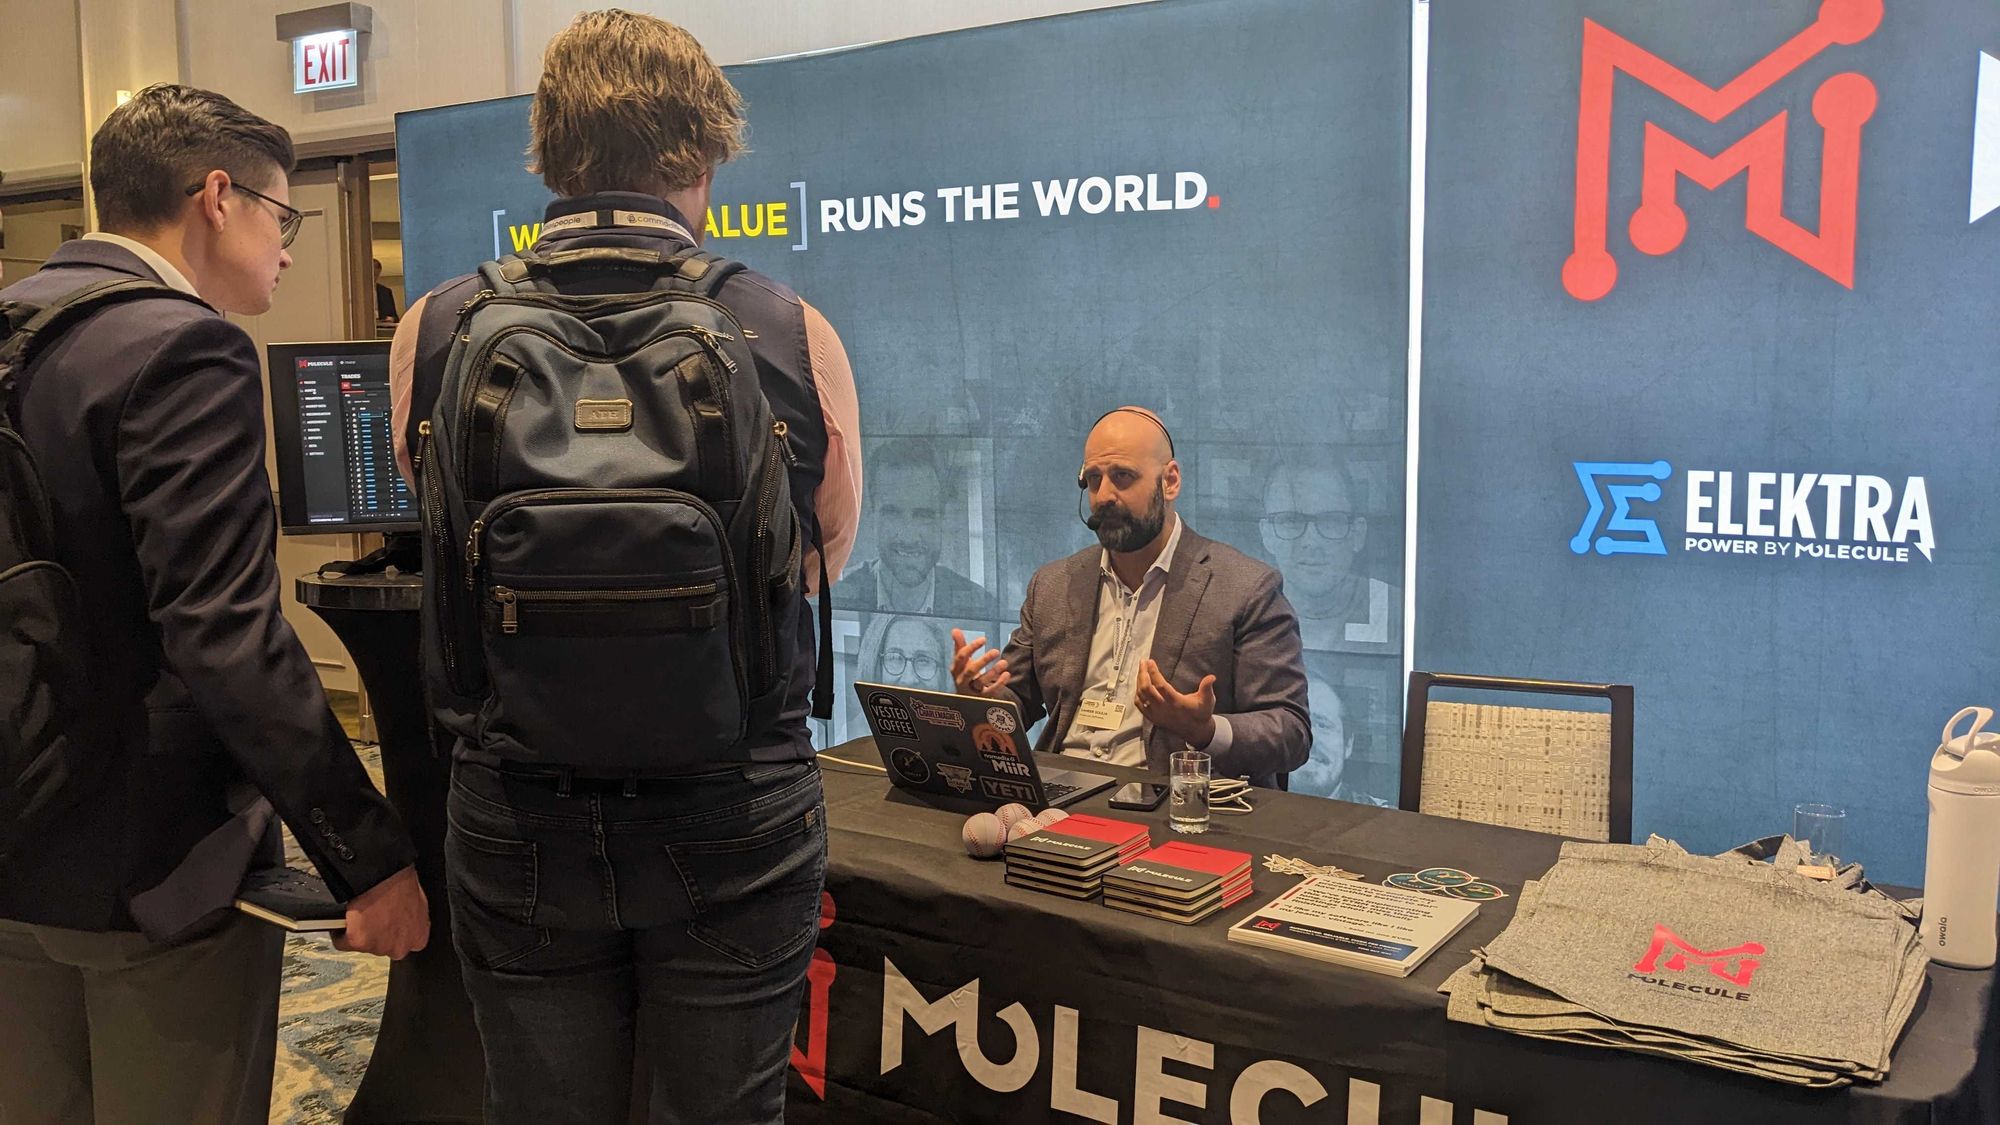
(1853, 517)
(1735, 965)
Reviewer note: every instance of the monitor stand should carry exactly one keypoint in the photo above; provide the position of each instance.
(401, 550)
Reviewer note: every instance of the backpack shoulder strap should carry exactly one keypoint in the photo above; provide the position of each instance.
(697, 271)
(29, 328)
(702, 272)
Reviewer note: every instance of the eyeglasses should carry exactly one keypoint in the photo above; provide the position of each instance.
(289, 218)
(895, 661)
(1332, 526)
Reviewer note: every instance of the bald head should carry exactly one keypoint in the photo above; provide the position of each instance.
(1131, 430)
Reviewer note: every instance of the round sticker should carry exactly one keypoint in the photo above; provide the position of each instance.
(1477, 892)
(1444, 876)
(1409, 882)
(1001, 718)
(910, 765)
(890, 716)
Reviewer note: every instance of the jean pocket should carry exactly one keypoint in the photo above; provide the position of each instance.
(756, 898)
(492, 884)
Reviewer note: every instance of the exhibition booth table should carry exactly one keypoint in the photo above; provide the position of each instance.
(943, 994)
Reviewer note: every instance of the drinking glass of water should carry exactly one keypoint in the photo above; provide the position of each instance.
(1818, 828)
(1188, 795)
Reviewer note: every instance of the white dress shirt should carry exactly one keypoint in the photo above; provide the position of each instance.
(173, 277)
(1127, 620)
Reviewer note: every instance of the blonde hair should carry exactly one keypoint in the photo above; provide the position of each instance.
(630, 102)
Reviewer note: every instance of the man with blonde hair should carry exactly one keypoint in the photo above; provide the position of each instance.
(635, 908)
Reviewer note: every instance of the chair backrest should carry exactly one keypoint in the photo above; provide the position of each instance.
(1540, 768)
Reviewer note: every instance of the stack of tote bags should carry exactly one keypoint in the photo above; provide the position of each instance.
(1719, 960)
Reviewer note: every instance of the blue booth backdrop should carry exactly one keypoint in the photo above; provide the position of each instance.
(1735, 447)
(1197, 205)
(1708, 348)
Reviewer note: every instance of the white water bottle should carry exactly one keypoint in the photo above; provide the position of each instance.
(1962, 860)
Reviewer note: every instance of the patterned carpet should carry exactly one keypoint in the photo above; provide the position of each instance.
(332, 1002)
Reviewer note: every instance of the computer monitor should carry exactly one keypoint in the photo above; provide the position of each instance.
(336, 450)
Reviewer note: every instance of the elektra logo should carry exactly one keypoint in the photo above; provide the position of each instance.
(1627, 534)
(1854, 517)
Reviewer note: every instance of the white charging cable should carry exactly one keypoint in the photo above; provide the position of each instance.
(1229, 795)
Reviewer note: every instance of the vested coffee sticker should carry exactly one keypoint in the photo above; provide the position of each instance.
(891, 717)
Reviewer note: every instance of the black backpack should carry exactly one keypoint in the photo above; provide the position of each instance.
(611, 556)
(49, 752)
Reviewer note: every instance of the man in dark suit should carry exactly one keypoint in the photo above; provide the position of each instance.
(1157, 640)
(147, 422)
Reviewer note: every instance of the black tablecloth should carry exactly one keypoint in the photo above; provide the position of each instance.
(942, 994)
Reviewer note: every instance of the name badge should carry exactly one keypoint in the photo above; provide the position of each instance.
(1100, 714)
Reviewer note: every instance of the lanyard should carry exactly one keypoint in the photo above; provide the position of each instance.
(1128, 626)
(611, 217)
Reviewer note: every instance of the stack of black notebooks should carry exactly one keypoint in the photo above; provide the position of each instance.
(1180, 882)
(1070, 857)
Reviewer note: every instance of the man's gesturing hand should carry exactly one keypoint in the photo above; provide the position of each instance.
(1189, 717)
(976, 675)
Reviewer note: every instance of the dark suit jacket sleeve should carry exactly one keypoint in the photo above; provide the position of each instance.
(1020, 657)
(191, 480)
(1271, 730)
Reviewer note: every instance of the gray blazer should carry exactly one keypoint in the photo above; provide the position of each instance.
(1223, 614)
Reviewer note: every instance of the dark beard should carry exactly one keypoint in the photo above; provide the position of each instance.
(1122, 532)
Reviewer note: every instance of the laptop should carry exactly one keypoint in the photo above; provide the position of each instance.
(965, 746)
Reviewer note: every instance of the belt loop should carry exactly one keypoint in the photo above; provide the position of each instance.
(563, 779)
(631, 785)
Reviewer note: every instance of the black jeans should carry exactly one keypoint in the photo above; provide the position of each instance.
(661, 934)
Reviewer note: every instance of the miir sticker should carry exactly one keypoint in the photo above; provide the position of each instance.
(991, 742)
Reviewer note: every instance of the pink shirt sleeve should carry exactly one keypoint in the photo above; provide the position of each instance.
(838, 501)
(402, 373)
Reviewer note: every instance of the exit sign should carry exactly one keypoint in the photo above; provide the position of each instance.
(329, 60)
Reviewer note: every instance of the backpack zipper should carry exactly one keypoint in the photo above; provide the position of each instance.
(510, 597)
(472, 551)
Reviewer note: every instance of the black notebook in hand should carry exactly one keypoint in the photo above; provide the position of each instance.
(293, 900)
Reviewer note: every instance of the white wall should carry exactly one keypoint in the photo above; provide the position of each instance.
(41, 88)
(742, 30)
(34, 231)
(421, 53)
